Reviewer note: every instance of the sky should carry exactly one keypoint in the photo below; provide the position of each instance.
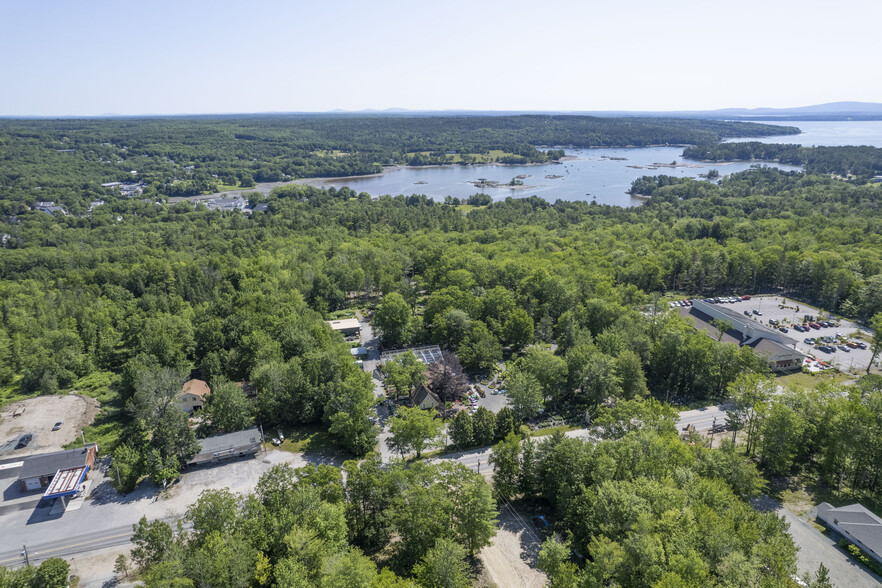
(196, 56)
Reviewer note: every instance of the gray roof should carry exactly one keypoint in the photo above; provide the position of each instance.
(47, 464)
(772, 348)
(423, 392)
(739, 319)
(703, 321)
(857, 521)
(230, 440)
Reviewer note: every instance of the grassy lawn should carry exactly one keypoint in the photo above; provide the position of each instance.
(811, 381)
(311, 438)
(553, 430)
(801, 492)
(110, 420)
(343, 314)
(228, 187)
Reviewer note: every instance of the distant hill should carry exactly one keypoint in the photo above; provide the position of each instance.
(828, 111)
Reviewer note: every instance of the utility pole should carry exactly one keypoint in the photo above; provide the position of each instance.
(118, 481)
(713, 430)
(84, 438)
(24, 554)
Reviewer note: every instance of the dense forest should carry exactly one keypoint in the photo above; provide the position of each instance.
(66, 161)
(849, 160)
(244, 297)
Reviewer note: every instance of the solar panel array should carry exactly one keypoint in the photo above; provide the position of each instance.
(426, 354)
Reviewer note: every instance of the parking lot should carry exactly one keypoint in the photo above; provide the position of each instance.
(789, 313)
(37, 417)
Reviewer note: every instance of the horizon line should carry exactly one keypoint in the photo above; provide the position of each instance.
(738, 111)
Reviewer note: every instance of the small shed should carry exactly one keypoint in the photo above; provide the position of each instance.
(359, 352)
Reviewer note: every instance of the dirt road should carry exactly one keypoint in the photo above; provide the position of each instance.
(510, 562)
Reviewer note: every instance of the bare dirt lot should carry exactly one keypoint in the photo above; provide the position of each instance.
(510, 562)
(39, 415)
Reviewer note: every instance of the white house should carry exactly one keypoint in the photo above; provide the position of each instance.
(192, 396)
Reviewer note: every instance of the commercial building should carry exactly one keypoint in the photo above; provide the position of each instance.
(61, 471)
(348, 327)
(228, 446)
(855, 523)
(778, 349)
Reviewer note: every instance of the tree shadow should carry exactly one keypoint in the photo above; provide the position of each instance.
(516, 519)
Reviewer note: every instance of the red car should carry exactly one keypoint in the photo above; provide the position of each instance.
(745, 298)
(815, 325)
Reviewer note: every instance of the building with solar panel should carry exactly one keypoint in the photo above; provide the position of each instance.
(426, 354)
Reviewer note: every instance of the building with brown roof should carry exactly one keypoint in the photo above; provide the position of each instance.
(192, 396)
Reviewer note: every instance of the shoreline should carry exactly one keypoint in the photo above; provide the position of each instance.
(328, 181)
(320, 181)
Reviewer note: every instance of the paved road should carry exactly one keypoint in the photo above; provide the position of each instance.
(703, 418)
(72, 546)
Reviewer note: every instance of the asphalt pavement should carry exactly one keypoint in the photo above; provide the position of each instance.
(71, 546)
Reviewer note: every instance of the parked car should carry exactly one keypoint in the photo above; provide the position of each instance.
(815, 326)
(783, 329)
(844, 348)
(23, 442)
(745, 298)
(747, 312)
(808, 341)
(57, 425)
(757, 313)
(861, 345)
